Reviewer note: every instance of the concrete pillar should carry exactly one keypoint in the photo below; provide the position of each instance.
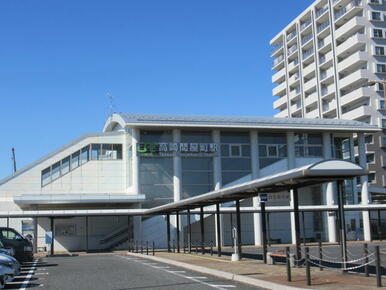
(177, 182)
(365, 197)
(291, 165)
(217, 179)
(135, 161)
(35, 240)
(255, 174)
(329, 191)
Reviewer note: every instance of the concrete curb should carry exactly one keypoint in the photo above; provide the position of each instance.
(221, 274)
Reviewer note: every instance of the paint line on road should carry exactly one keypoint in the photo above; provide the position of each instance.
(195, 279)
(29, 276)
(176, 271)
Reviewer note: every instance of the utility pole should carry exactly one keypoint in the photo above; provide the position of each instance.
(14, 159)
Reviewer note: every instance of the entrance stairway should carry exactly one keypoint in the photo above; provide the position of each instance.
(115, 239)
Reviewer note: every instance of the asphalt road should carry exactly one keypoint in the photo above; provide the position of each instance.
(113, 271)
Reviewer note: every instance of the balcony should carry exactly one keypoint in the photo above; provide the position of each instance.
(310, 85)
(292, 49)
(327, 76)
(307, 53)
(327, 108)
(291, 36)
(280, 90)
(351, 44)
(277, 63)
(281, 103)
(353, 61)
(322, 26)
(347, 12)
(324, 45)
(282, 114)
(358, 113)
(313, 114)
(321, 11)
(296, 107)
(305, 24)
(294, 79)
(325, 61)
(311, 99)
(356, 78)
(277, 48)
(349, 28)
(279, 77)
(307, 38)
(356, 96)
(293, 66)
(309, 71)
(294, 94)
(328, 92)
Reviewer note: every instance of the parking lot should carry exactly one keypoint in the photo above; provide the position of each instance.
(112, 271)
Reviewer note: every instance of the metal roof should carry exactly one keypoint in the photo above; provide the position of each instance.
(237, 122)
(313, 174)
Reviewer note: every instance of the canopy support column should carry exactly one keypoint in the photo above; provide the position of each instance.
(178, 231)
(168, 230)
(189, 233)
(238, 224)
(86, 234)
(264, 230)
(342, 220)
(297, 223)
(202, 230)
(53, 236)
(218, 228)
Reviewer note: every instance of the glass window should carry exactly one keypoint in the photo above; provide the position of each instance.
(85, 154)
(379, 50)
(272, 148)
(197, 176)
(342, 148)
(156, 136)
(196, 136)
(378, 33)
(235, 150)
(308, 145)
(75, 160)
(117, 151)
(55, 172)
(375, 15)
(384, 142)
(65, 167)
(381, 68)
(46, 176)
(10, 235)
(383, 123)
(369, 139)
(95, 151)
(381, 104)
(107, 152)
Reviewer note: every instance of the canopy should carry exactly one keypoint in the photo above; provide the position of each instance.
(313, 174)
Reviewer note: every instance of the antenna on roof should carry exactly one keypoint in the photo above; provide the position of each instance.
(111, 104)
(14, 159)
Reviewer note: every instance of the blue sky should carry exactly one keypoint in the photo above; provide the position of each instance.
(59, 59)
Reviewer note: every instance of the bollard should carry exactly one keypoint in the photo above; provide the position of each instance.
(308, 272)
(196, 249)
(184, 247)
(288, 262)
(147, 247)
(320, 256)
(378, 267)
(153, 248)
(136, 246)
(174, 246)
(211, 248)
(366, 252)
(141, 247)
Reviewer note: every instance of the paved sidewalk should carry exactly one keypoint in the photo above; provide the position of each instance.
(252, 270)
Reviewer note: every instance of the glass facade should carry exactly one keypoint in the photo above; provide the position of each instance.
(156, 173)
(197, 172)
(308, 145)
(272, 148)
(235, 156)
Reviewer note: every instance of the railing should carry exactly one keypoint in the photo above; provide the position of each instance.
(348, 7)
(322, 26)
(322, 59)
(277, 61)
(321, 43)
(292, 49)
(307, 53)
(321, 11)
(291, 35)
(323, 75)
(305, 24)
(276, 47)
(324, 91)
(306, 38)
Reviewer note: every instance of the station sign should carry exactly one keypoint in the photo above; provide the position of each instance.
(177, 149)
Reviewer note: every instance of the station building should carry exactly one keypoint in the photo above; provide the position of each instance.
(92, 193)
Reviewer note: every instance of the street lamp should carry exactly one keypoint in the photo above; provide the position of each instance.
(383, 83)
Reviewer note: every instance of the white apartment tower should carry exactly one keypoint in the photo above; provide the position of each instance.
(323, 63)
